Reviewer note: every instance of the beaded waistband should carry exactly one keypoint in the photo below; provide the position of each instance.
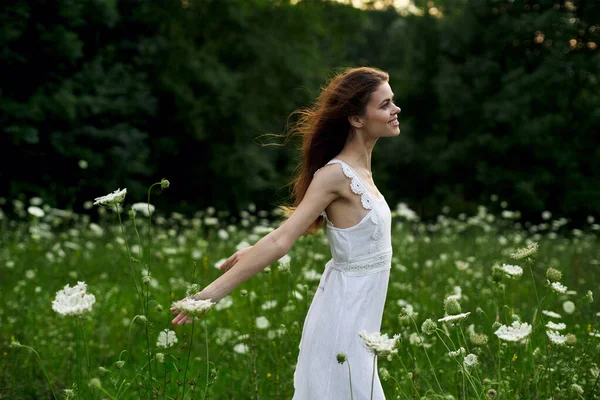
(368, 264)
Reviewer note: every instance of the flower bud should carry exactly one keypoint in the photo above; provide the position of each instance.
(95, 382)
(141, 318)
(553, 274)
(341, 358)
(164, 183)
(452, 306)
(120, 364)
(131, 213)
(160, 357)
(429, 327)
(478, 339)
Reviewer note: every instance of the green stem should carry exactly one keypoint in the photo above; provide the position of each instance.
(130, 382)
(87, 353)
(188, 359)
(411, 380)
(350, 375)
(207, 362)
(427, 355)
(129, 256)
(373, 376)
(43, 369)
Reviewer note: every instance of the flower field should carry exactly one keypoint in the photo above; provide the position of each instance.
(484, 306)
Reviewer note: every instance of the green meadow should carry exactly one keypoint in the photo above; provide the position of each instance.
(520, 302)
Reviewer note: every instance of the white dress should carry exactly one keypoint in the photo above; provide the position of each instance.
(350, 298)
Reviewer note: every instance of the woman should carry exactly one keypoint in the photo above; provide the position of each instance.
(335, 186)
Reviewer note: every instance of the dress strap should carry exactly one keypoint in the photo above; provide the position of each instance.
(356, 184)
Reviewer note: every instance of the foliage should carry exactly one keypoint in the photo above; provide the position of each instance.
(497, 97)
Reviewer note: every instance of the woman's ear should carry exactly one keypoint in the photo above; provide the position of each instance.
(355, 121)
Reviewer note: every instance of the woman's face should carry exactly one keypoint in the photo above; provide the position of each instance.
(381, 117)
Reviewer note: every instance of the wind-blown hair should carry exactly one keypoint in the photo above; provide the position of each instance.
(325, 127)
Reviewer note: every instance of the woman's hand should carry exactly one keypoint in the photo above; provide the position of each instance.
(231, 261)
(182, 318)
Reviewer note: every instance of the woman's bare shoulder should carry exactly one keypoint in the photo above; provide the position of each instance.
(331, 177)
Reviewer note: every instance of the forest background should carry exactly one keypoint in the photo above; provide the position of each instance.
(498, 97)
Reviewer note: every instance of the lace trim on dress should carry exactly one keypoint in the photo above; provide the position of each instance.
(374, 263)
(357, 187)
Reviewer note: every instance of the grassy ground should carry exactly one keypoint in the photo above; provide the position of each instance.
(247, 345)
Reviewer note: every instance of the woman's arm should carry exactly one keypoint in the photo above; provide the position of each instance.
(323, 189)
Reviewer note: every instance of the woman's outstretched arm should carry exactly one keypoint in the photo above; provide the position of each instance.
(323, 189)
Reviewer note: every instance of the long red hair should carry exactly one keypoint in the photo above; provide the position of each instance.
(325, 127)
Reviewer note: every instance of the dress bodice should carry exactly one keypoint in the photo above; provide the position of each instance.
(367, 245)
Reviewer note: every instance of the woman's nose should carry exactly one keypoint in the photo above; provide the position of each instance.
(398, 109)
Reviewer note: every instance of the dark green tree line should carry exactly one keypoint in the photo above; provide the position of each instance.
(497, 96)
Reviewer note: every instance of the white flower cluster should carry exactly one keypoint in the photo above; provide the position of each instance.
(457, 352)
(380, 344)
(512, 271)
(166, 338)
(454, 318)
(514, 333)
(526, 251)
(111, 199)
(143, 208)
(193, 307)
(73, 300)
(558, 287)
(556, 337)
(470, 361)
(551, 314)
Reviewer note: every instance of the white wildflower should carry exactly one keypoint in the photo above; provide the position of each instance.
(242, 245)
(111, 199)
(210, 221)
(457, 352)
(512, 270)
(35, 211)
(556, 327)
(556, 337)
(193, 307)
(569, 307)
(558, 287)
(73, 300)
(470, 361)
(143, 208)
(269, 304)
(514, 333)
(166, 338)
(454, 318)
(224, 303)
(526, 251)
(241, 348)
(285, 259)
(414, 339)
(262, 323)
(380, 344)
(461, 265)
(551, 314)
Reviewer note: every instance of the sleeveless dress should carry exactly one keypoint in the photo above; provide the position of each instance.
(350, 297)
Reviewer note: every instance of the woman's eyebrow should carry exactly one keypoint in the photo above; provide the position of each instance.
(393, 98)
